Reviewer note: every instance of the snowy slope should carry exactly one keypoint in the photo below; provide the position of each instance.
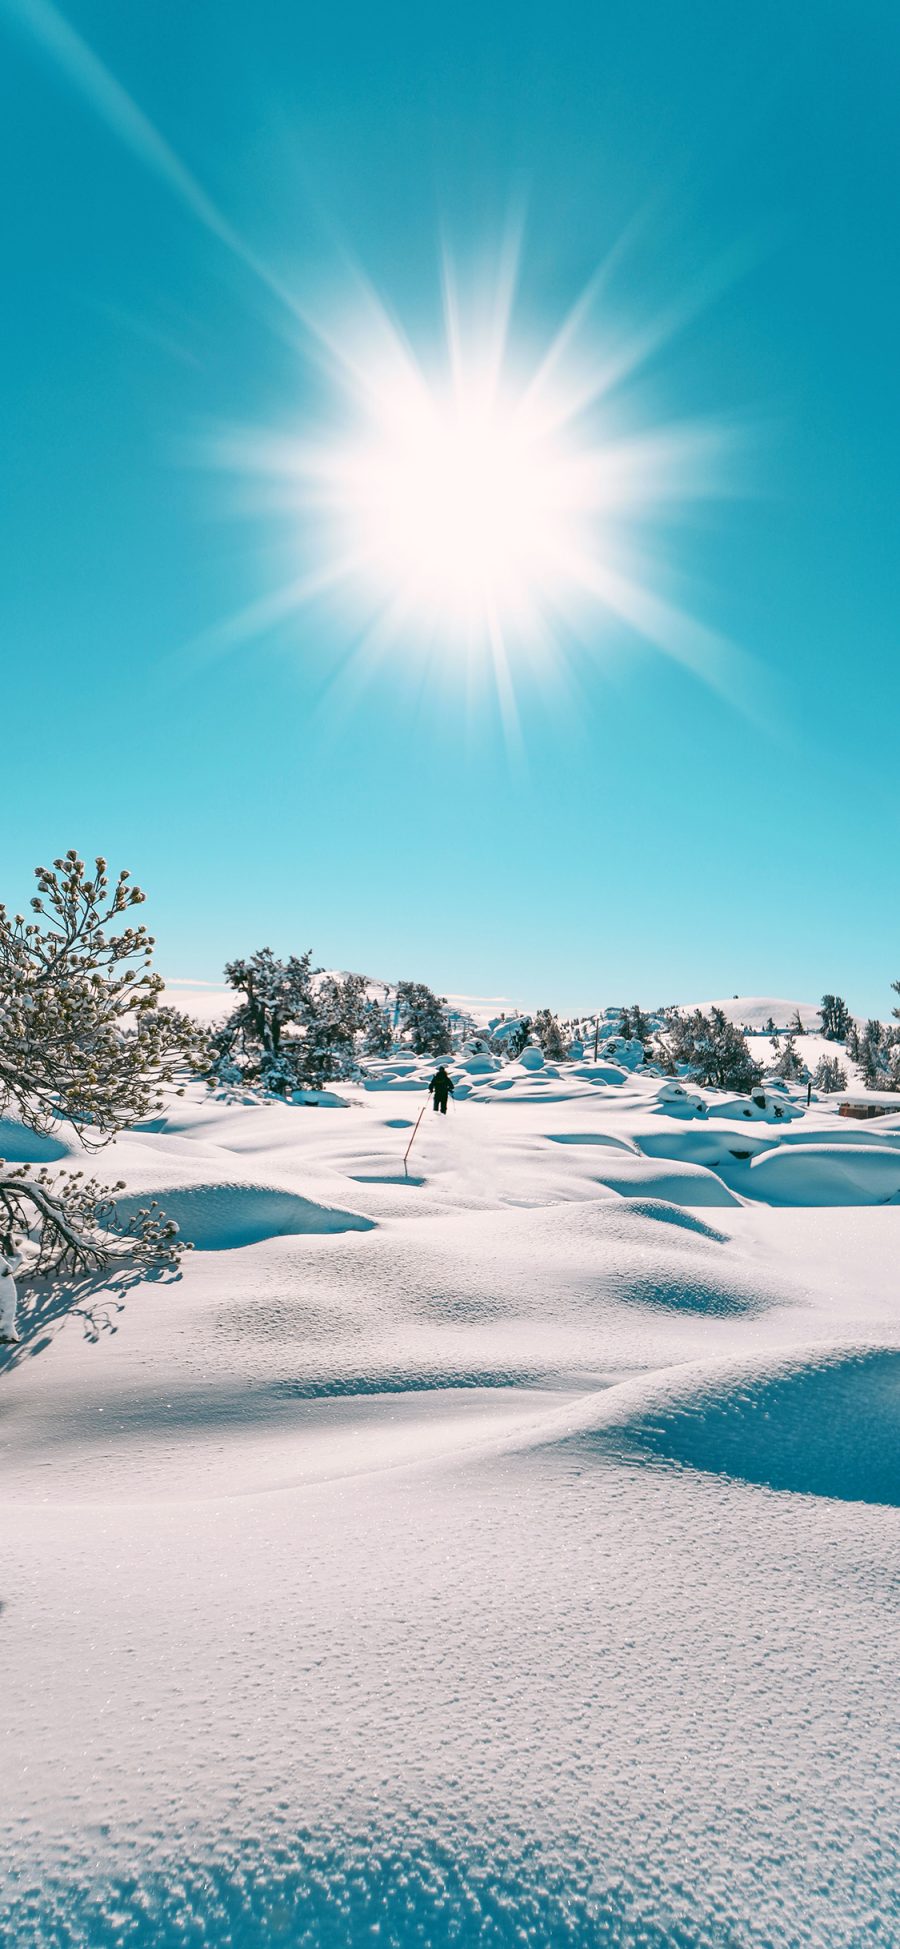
(754, 1011)
(506, 1552)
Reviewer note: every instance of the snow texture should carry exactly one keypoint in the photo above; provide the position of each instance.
(501, 1553)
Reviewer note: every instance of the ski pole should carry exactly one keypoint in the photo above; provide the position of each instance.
(413, 1137)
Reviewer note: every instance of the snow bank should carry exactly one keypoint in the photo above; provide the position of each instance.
(824, 1424)
(826, 1174)
(218, 1217)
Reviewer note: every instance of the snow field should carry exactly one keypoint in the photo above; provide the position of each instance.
(506, 1553)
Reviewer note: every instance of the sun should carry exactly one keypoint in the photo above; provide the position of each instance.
(460, 506)
(483, 495)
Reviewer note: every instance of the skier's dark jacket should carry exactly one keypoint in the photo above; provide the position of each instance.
(441, 1084)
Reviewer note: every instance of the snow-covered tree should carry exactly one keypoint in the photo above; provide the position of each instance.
(423, 1018)
(83, 1041)
(276, 995)
(334, 1018)
(830, 1075)
(549, 1035)
(796, 1023)
(879, 1056)
(790, 1065)
(378, 1033)
(262, 1037)
(640, 1024)
(707, 1048)
(835, 1018)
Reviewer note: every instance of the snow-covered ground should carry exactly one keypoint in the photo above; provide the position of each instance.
(503, 1553)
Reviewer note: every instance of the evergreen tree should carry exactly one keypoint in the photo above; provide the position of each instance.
(423, 1018)
(378, 1035)
(790, 1065)
(83, 1041)
(276, 995)
(770, 1026)
(334, 1017)
(835, 1018)
(709, 1049)
(830, 1075)
(549, 1035)
(640, 1026)
(625, 1028)
(879, 1056)
(852, 1043)
(796, 1026)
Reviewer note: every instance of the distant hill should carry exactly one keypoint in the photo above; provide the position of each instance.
(754, 1011)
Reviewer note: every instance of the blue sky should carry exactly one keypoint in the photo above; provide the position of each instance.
(173, 174)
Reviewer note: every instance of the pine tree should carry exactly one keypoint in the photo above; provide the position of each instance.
(830, 1076)
(263, 1035)
(870, 1059)
(796, 1026)
(640, 1026)
(276, 995)
(83, 1041)
(334, 1017)
(709, 1049)
(790, 1065)
(625, 1028)
(423, 1018)
(378, 1035)
(835, 1018)
(549, 1035)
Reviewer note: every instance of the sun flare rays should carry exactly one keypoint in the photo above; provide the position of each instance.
(474, 496)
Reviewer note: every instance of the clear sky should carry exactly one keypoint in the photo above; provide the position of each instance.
(186, 188)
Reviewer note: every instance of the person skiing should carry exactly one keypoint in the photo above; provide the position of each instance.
(440, 1086)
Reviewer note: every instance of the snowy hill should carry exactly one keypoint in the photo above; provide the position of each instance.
(752, 1012)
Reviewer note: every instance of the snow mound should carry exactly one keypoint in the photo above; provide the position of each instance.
(599, 1072)
(763, 1106)
(218, 1217)
(668, 1214)
(19, 1145)
(826, 1174)
(677, 1183)
(704, 1145)
(823, 1424)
